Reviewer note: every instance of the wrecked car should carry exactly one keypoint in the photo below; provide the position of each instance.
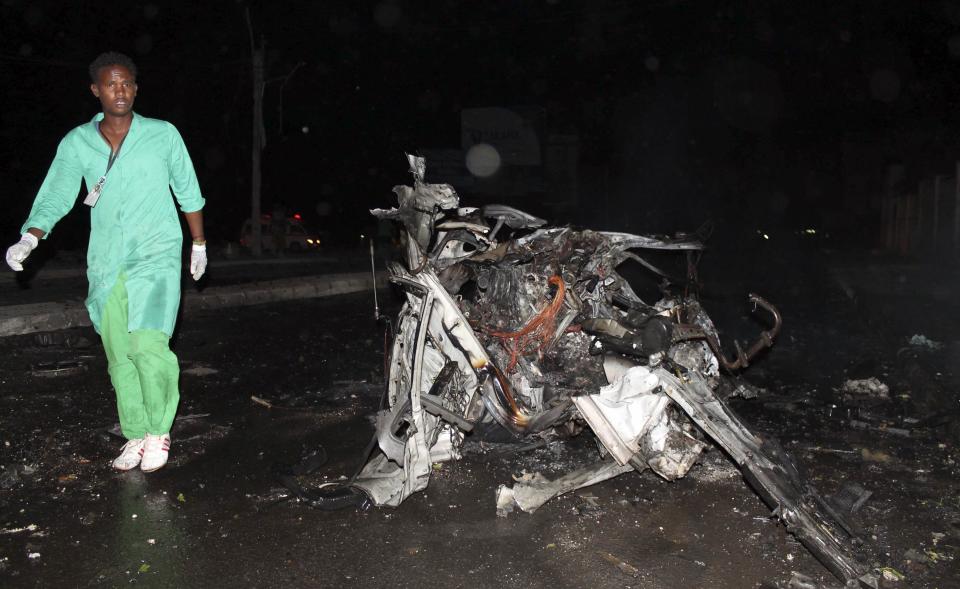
(510, 323)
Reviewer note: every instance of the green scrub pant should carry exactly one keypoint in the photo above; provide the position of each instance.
(143, 370)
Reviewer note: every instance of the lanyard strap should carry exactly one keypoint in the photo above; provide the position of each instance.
(113, 154)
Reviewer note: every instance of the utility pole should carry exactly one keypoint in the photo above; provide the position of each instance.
(258, 140)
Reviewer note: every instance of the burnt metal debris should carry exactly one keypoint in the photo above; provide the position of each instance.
(510, 321)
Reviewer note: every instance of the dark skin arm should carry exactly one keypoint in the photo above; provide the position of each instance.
(195, 222)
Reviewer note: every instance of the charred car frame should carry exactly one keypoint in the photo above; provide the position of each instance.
(509, 322)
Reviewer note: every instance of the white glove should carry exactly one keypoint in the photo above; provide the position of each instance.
(19, 251)
(198, 261)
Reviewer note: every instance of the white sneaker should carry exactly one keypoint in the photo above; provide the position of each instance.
(130, 455)
(155, 452)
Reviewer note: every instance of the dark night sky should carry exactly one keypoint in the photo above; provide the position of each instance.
(773, 113)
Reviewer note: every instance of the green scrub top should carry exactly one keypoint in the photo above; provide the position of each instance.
(134, 227)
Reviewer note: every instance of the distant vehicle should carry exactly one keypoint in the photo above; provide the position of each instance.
(286, 235)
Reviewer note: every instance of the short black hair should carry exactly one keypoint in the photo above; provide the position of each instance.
(111, 58)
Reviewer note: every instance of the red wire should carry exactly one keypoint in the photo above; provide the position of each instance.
(539, 328)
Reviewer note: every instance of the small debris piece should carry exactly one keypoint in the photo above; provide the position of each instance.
(896, 431)
(922, 341)
(801, 581)
(874, 455)
(9, 478)
(747, 391)
(891, 574)
(588, 507)
(181, 498)
(850, 498)
(260, 401)
(144, 568)
(934, 556)
(625, 567)
(200, 370)
(827, 450)
(30, 528)
(58, 368)
(867, 386)
(33, 555)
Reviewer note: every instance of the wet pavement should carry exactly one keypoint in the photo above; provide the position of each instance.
(217, 515)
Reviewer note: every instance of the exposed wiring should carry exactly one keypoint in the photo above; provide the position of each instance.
(536, 334)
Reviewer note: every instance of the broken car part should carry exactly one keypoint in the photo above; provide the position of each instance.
(510, 322)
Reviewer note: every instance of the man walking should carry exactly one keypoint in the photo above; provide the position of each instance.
(129, 164)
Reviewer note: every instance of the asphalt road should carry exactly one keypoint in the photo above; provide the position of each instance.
(217, 516)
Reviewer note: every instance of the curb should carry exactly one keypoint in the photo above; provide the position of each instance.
(24, 319)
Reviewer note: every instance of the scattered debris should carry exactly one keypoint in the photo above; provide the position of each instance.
(200, 370)
(828, 450)
(624, 566)
(61, 338)
(30, 528)
(746, 390)
(935, 556)
(533, 490)
(883, 428)
(871, 387)
(850, 498)
(801, 581)
(58, 368)
(922, 341)
(874, 455)
(271, 405)
(14, 474)
(891, 574)
(10, 477)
